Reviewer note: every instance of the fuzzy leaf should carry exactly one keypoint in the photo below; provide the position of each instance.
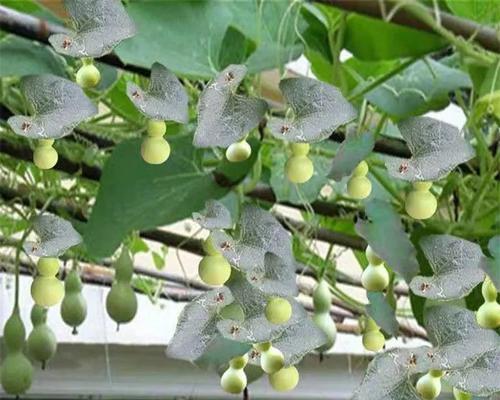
(388, 375)
(480, 377)
(58, 105)
(457, 338)
(262, 250)
(461, 348)
(165, 99)
(56, 236)
(196, 333)
(214, 216)
(436, 148)
(318, 109)
(383, 314)
(98, 27)
(385, 234)
(354, 149)
(225, 117)
(256, 328)
(456, 264)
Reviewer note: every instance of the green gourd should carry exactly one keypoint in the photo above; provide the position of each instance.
(74, 306)
(17, 372)
(373, 339)
(234, 379)
(488, 314)
(121, 302)
(322, 300)
(46, 289)
(359, 186)
(271, 358)
(42, 343)
(420, 202)
(375, 276)
(429, 385)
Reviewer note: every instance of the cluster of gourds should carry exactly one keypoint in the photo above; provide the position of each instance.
(47, 290)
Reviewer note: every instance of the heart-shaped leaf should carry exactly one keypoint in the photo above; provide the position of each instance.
(480, 377)
(56, 236)
(461, 348)
(98, 27)
(165, 98)
(196, 335)
(382, 313)
(388, 375)
(148, 195)
(385, 234)
(436, 148)
(262, 249)
(225, 117)
(318, 109)
(425, 85)
(456, 264)
(457, 338)
(214, 216)
(354, 149)
(58, 106)
(492, 266)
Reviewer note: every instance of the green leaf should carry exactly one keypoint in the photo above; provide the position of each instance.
(189, 37)
(421, 87)
(23, 57)
(31, 7)
(307, 192)
(384, 232)
(381, 311)
(354, 149)
(482, 11)
(120, 103)
(158, 260)
(134, 195)
(492, 267)
(235, 48)
(373, 39)
(137, 245)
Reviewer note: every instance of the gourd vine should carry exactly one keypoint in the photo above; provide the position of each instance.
(341, 202)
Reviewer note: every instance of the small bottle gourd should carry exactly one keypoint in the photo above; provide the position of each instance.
(375, 276)
(45, 156)
(429, 385)
(74, 306)
(213, 268)
(373, 339)
(46, 289)
(359, 186)
(88, 76)
(17, 372)
(234, 379)
(322, 300)
(278, 310)
(155, 149)
(299, 168)
(420, 202)
(488, 314)
(239, 151)
(285, 379)
(121, 302)
(42, 343)
(271, 358)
